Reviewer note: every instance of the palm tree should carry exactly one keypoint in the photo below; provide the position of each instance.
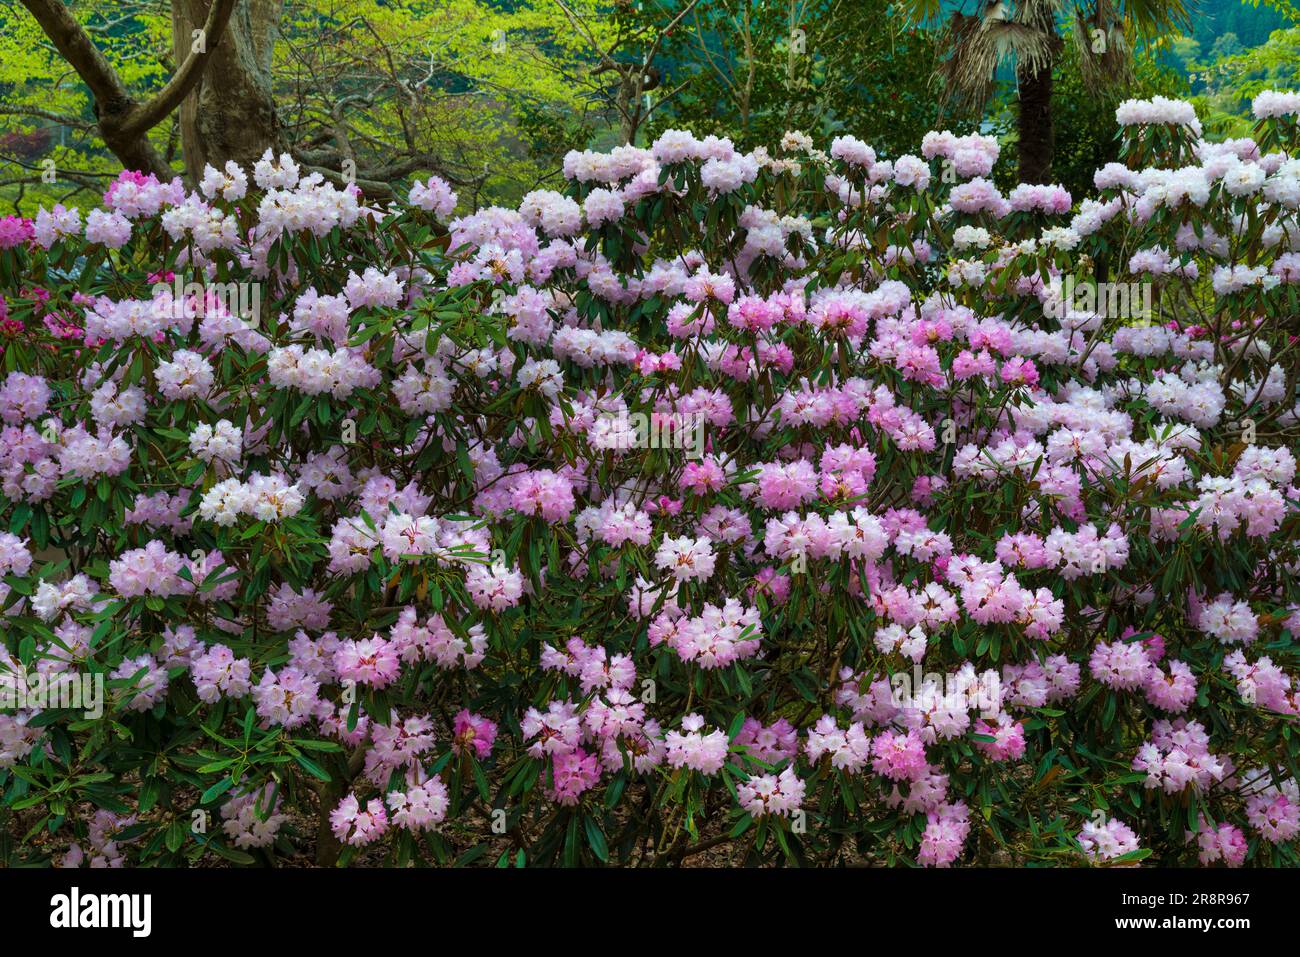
(1029, 32)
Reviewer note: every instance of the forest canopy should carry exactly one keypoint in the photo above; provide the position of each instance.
(492, 95)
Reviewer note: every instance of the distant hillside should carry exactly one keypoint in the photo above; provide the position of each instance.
(1215, 18)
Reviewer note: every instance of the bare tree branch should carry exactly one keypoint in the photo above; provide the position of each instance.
(75, 46)
(123, 123)
(146, 117)
(53, 117)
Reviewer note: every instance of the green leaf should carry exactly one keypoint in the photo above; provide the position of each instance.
(311, 767)
(175, 836)
(596, 839)
(221, 787)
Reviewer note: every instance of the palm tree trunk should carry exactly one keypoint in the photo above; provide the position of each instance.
(1037, 140)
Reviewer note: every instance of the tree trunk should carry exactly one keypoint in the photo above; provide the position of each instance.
(328, 847)
(123, 122)
(231, 114)
(1034, 124)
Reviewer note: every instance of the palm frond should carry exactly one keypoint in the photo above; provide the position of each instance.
(920, 11)
(978, 44)
(1153, 18)
(1105, 55)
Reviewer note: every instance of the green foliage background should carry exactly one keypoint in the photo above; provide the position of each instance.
(506, 87)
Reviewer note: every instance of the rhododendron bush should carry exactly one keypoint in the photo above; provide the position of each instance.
(788, 507)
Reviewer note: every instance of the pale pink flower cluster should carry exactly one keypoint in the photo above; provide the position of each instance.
(947, 827)
(369, 661)
(266, 498)
(1262, 683)
(436, 641)
(152, 570)
(357, 825)
(715, 638)
(319, 371)
(1223, 842)
(1274, 812)
(420, 806)
(217, 672)
(1107, 840)
(972, 155)
(288, 699)
(695, 746)
(148, 688)
(1177, 756)
(1158, 110)
(254, 818)
(765, 794)
(433, 196)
